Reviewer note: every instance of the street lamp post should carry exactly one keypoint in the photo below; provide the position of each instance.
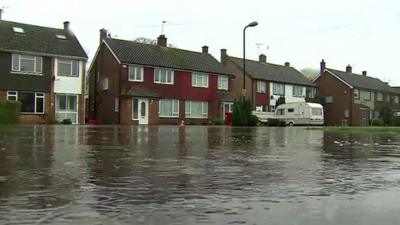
(252, 24)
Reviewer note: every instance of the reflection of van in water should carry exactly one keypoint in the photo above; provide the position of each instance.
(296, 113)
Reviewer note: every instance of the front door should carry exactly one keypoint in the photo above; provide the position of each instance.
(143, 111)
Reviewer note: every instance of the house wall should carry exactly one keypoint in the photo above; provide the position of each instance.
(24, 82)
(70, 85)
(261, 99)
(101, 102)
(342, 95)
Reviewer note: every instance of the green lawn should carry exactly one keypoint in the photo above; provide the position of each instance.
(359, 129)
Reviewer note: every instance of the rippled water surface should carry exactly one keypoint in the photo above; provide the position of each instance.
(197, 175)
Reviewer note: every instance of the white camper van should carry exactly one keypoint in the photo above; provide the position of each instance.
(300, 113)
(296, 113)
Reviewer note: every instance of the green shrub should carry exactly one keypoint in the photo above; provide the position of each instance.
(377, 122)
(218, 121)
(396, 121)
(253, 120)
(242, 113)
(276, 123)
(9, 112)
(66, 121)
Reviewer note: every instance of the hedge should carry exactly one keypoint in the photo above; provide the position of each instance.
(9, 112)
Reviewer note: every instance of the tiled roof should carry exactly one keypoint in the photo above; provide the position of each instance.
(140, 92)
(396, 90)
(272, 72)
(153, 55)
(41, 40)
(361, 81)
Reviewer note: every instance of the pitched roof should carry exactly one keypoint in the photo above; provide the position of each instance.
(40, 40)
(272, 72)
(153, 55)
(396, 90)
(140, 92)
(361, 81)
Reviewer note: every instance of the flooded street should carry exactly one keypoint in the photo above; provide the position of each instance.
(197, 175)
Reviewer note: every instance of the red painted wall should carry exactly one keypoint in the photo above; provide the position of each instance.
(181, 89)
(261, 99)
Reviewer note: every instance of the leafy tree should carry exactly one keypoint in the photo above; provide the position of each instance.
(242, 116)
(281, 100)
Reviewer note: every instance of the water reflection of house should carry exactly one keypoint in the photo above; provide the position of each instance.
(354, 99)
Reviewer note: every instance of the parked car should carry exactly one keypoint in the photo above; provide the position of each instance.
(297, 113)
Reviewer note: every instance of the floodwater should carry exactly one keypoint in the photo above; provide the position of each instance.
(197, 175)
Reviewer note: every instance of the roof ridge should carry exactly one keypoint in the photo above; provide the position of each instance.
(32, 25)
(356, 74)
(252, 60)
(180, 49)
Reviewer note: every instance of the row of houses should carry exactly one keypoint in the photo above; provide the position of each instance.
(136, 83)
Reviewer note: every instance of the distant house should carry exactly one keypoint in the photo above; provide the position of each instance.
(136, 83)
(354, 99)
(44, 69)
(267, 82)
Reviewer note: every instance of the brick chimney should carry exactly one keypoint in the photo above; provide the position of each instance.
(364, 73)
(204, 49)
(322, 66)
(224, 56)
(262, 58)
(103, 35)
(287, 64)
(66, 25)
(348, 69)
(162, 40)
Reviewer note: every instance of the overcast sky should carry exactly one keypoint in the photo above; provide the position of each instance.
(363, 33)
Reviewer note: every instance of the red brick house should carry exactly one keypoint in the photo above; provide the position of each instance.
(137, 83)
(267, 82)
(353, 99)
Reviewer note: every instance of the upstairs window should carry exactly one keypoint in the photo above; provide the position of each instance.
(223, 82)
(298, 91)
(200, 80)
(356, 94)
(26, 64)
(261, 87)
(135, 73)
(68, 68)
(367, 95)
(163, 76)
(379, 96)
(278, 89)
(311, 92)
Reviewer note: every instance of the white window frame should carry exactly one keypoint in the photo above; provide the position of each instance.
(204, 80)
(158, 76)
(134, 71)
(261, 86)
(137, 106)
(368, 93)
(17, 68)
(379, 97)
(188, 110)
(66, 110)
(105, 84)
(356, 94)
(37, 95)
(71, 63)
(223, 82)
(174, 113)
(298, 87)
(275, 91)
(116, 104)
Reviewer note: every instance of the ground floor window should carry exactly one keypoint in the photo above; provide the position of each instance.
(67, 107)
(168, 108)
(135, 109)
(228, 107)
(194, 109)
(31, 102)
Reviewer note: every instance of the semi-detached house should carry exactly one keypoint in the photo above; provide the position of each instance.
(266, 82)
(44, 69)
(137, 83)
